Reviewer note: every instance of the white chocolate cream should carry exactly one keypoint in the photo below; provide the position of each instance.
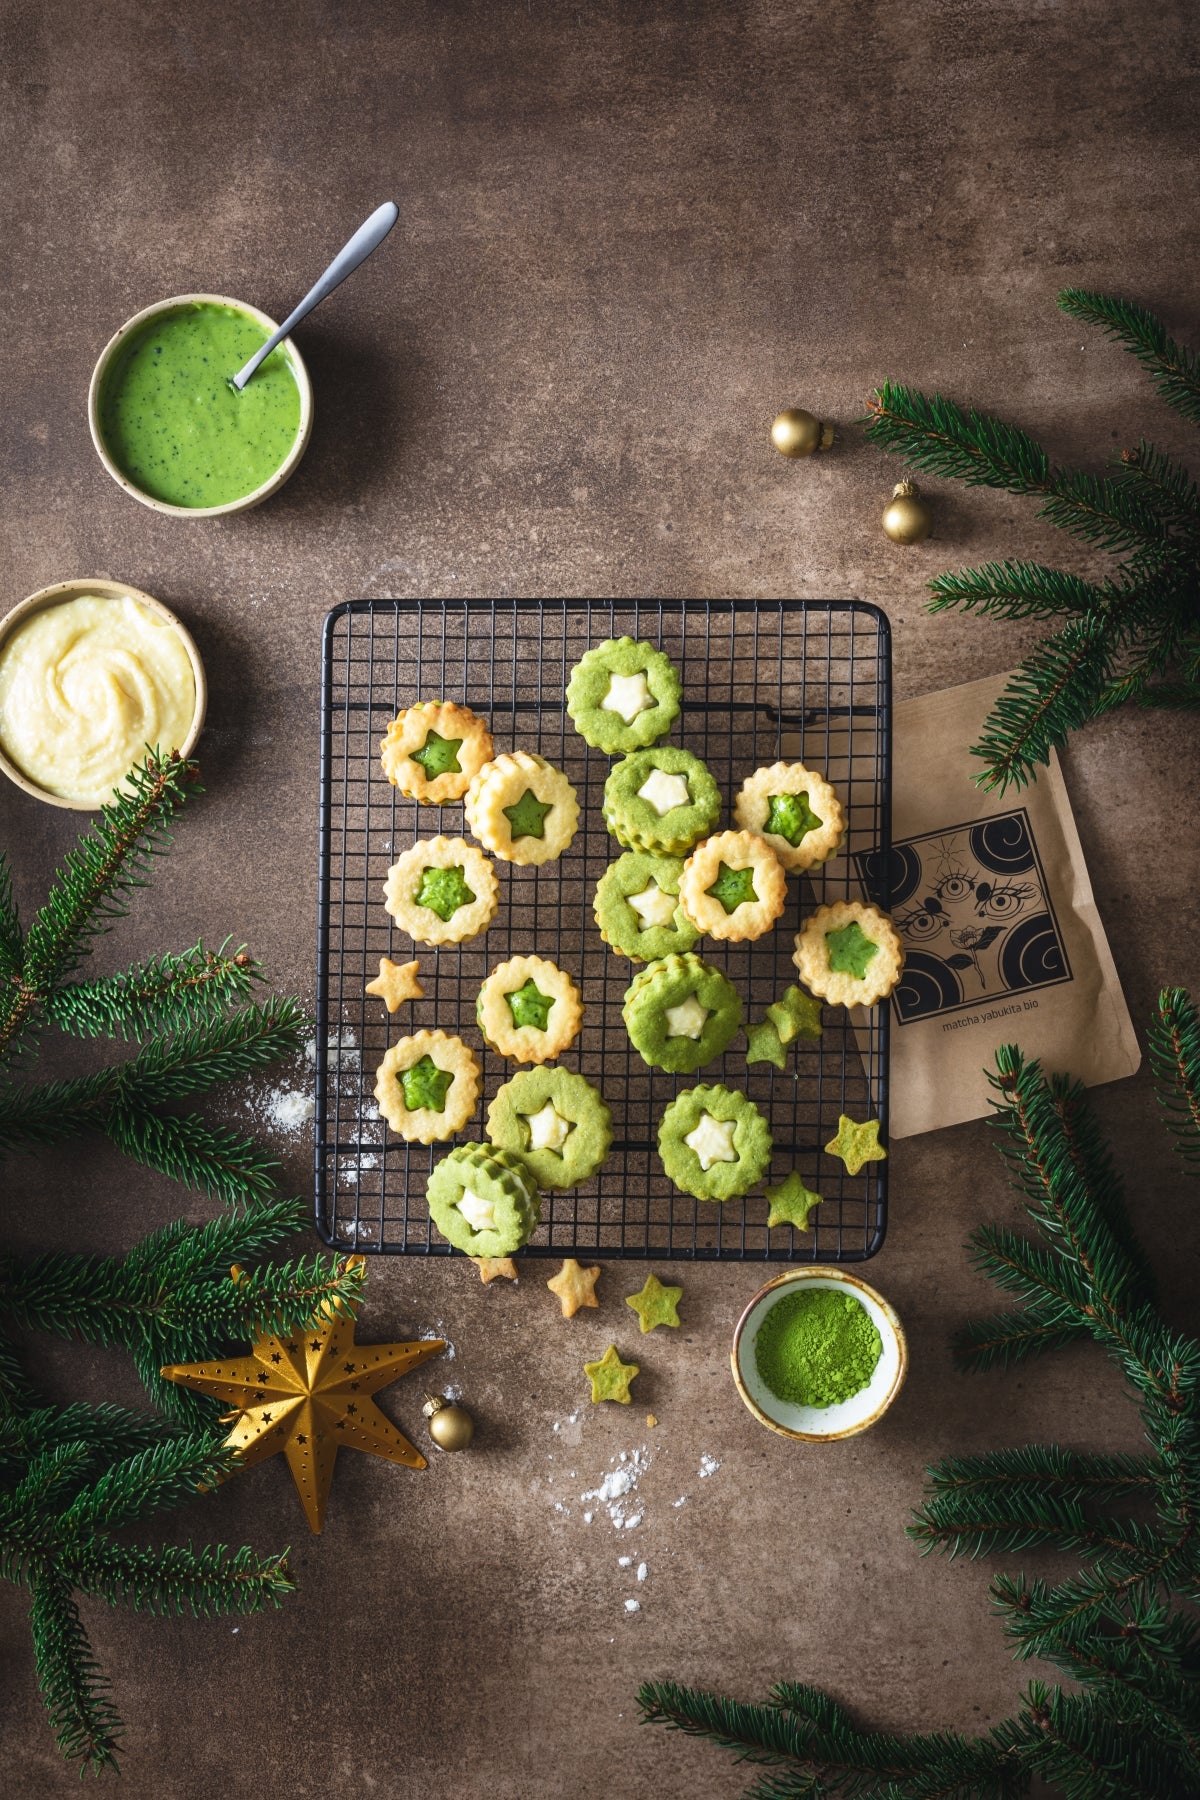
(687, 1019)
(548, 1130)
(712, 1140)
(664, 792)
(654, 906)
(85, 686)
(479, 1214)
(627, 695)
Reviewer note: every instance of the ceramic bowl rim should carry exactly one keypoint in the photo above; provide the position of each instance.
(73, 589)
(793, 1277)
(245, 501)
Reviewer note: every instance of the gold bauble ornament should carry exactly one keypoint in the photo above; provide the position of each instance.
(908, 519)
(798, 433)
(450, 1426)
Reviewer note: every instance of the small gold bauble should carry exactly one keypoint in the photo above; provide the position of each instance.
(908, 519)
(798, 433)
(450, 1426)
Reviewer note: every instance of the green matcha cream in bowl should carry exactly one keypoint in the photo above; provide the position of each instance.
(168, 423)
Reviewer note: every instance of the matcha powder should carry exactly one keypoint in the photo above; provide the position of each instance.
(816, 1347)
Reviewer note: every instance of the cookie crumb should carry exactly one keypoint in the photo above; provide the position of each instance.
(651, 1420)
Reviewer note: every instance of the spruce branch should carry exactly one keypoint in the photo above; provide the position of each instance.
(230, 1167)
(75, 1690)
(163, 994)
(1174, 369)
(1175, 1059)
(1053, 693)
(1016, 590)
(1003, 1339)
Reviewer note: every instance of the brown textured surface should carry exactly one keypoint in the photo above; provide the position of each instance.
(629, 234)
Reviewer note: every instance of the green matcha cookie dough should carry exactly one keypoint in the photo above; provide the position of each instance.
(623, 695)
(680, 1012)
(714, 1143)
(662, 800)
(484, 1200)
(638, 913)
(555, 1121)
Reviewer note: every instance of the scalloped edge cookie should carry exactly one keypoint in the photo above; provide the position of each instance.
(811, 955)
(637, 824)
(409, 731)
(618, 923)
(512, 1186)
(502, 783)
(422, 924)
(753, 804)
(591, 679)
(525, 1043)
(670, 981)
(737, 850)
(424, 1126)
(751, 1139)
(574, 1099)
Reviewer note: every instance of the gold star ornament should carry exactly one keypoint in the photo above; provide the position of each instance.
(308, 1394)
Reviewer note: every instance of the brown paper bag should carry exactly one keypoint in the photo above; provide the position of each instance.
(1002, 940)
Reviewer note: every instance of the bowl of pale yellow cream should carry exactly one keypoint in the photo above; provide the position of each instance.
(93, 675)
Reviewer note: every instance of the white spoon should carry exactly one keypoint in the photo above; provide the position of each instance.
(368, 237)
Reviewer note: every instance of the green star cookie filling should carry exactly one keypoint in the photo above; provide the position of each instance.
(795, 810)
(623, 695)
(483, 1200)
(661, 800)
(849, 953)
(680, 1012)
(432, 751)
(529, 1009)
(637, 907)
(714, 1143)
(522, 808)
(441, 890)
(733, 886)
(555, 1121)
(427, 1086)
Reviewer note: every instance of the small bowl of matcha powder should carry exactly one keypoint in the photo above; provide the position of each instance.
(818, 1354)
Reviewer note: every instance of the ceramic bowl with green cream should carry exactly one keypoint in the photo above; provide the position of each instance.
(170, 427)
(796, 1291)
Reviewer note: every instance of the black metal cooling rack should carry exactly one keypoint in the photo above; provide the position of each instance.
(761, 681)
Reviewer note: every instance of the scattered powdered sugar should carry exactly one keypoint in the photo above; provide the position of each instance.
(632, 1521)
(623, 1562)
(346, 1230)
(616, 1486)
(642, 1571)
(633, 1606)
(682, 1500)
(289, 1110)
(708, 1465)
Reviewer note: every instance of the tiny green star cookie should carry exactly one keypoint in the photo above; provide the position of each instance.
(795, 1014)
(791, 1203)
(657, 1304)
(856, 1144)
(610, 1377)
(764, 1044)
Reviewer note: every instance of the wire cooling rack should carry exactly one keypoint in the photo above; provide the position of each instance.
(761, 681)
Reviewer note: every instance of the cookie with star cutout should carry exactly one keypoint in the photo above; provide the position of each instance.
(529, 1009)
(427, 1086)
(637, 907)
(522, 808)
(433, 750)
(663, 799)
(733, 886)
(556, 1120)
(441, 891)
(680, 1012)
(483, 1201)
(849, 953)
(623, 695)
(795, 810)
(714, 1143)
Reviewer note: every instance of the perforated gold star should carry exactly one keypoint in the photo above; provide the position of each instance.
(396, 983)
(309, 1396)
(856, 1144)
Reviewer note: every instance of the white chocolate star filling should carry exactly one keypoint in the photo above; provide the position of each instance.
(687, 1019)
(479, 1214)
(712, 1141)
(664, 792)
(548, 1130)
(628, 695)
(653, 906)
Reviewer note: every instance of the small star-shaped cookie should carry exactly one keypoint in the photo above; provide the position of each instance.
(610, 1377)
(491, 1268)
(575, 1287)
(791, 1202)
(765, 1045)
(856, 1144)
(396, 983)
(795, 1014)
(657, 1304)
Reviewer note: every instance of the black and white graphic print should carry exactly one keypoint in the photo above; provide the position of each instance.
(974, 913)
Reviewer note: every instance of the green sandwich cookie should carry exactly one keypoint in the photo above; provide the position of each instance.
(623, 695)
(483, 1200)
(660, 800)
(714, 1143)
(555, 1121)
(680, 1012)
(637, 907)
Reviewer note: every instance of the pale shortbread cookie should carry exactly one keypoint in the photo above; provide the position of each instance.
(413, 896)
(432, 751)
(529, 1009)
(450, 1057)
(828, 939)
(733, 863)
(802, 794)
(522, 808)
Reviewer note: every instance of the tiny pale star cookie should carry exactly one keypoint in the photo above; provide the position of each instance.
(610, 1377)
(623, 695)
(637, 907)
(849, 953)
(396, 983)
(441, 891)
(660, 800)
(427, 1086)
(795, 810)
(714, 1143)
(680, 1012)
(556, 1120)
(433, 749)
(529, 1009)
(496, 1268)
(483, 1201)
(575, 1286)
(856, 1144)
(522, 808)
(657, 1304)
(733, 886)
(791, 1203)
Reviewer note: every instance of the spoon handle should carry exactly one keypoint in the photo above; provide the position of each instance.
(368, 237)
